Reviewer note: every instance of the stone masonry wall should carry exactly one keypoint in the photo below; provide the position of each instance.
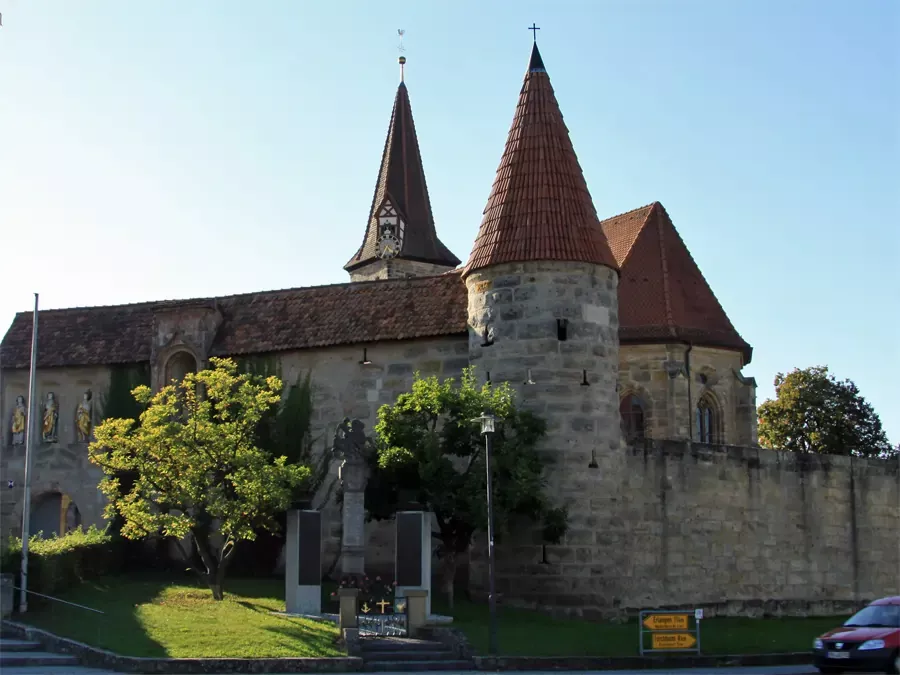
(61, 467)
(657, 374)
(397, 269)
(519, 307)
(733, 530)
(342, 386)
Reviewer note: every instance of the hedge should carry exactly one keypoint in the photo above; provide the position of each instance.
(59, 563)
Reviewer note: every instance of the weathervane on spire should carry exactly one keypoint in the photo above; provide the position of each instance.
(534, 29)
(401, 49)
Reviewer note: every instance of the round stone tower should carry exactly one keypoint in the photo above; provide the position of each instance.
(543, 315)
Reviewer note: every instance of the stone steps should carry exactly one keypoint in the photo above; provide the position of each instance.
(391, 654)
(34, 658)
(25, 657)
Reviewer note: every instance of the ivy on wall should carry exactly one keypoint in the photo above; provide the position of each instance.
(117, 402)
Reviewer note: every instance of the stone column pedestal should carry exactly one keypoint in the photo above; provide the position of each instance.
(416, 610)
(349, 607)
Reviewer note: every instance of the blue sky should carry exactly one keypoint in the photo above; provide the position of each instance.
(175, 149)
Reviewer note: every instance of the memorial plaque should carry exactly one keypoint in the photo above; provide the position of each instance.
(309, 570)
(409, 549)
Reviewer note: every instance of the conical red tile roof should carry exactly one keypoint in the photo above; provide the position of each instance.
(401, 181)
(663, 295)
(539, 207)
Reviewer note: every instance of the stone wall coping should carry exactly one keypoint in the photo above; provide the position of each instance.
(100, 658)
(764, 456)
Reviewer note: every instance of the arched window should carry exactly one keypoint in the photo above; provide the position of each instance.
(707, 420)
(631, 410)
(179, 365)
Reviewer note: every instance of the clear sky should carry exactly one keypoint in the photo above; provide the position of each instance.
(174, 149)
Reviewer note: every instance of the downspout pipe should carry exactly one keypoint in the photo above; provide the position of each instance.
(687, 370)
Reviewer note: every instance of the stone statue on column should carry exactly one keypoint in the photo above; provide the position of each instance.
(352, 446)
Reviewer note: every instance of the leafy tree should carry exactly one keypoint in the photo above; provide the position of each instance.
(199, 472)
(430, 451)
(118, 402)
(814, 412)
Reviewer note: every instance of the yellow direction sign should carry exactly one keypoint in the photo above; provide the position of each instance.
(673, 641)
(666, 622)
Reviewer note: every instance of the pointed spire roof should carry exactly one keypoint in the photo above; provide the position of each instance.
(539, 207)
(401, 197)
(663, 295)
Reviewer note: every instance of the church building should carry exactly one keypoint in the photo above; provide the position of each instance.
(605, 327)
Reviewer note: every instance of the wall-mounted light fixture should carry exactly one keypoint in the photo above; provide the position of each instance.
(593, 464)
(562, 326)
(528, 379)
(364, 361)
(584, 382)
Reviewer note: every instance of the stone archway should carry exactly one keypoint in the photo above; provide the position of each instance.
(54, 513)
(180, 364)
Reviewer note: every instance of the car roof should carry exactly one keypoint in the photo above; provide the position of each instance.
(889, 600)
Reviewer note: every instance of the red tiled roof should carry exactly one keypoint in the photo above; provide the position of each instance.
(401, 179)
(539, 207)
(663, 297)
(662, 292)
(301, 318)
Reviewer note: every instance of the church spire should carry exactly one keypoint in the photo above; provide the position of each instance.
(401, 225)
(539, 208)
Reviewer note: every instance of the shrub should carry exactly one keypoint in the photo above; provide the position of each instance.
(58, 563)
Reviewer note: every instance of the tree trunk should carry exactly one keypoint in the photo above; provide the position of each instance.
(448, 573)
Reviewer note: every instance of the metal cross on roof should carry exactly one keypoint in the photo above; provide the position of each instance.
(534, 29)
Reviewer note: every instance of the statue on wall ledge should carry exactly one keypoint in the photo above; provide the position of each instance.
(84, 418)
(19, 419)
(50, 419)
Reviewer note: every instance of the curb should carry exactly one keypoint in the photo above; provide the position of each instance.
(99, 658)
(575, 663)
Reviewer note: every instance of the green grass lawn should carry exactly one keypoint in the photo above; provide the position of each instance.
(180, 619)
(527, 633)
(161, 618)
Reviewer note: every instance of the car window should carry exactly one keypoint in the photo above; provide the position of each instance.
(876, 615)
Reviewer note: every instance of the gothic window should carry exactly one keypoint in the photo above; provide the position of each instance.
(631, 410)
(707, 420)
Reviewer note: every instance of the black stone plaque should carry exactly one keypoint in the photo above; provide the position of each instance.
(309, 572)
(409, 549)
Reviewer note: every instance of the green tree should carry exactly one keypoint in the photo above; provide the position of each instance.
(430, 451)
(814, 412)
(200, 474)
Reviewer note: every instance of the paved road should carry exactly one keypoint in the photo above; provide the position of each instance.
(774, 670)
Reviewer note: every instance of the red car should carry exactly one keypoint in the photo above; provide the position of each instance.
(869, 641)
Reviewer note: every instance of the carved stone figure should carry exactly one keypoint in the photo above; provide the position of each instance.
(50, 420)
(83, 417)
(350, 442)
(19, 421)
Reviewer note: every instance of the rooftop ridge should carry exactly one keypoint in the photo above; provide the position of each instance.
(271, 292)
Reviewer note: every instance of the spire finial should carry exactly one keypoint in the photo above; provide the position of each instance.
(534, 29)
(401, 49)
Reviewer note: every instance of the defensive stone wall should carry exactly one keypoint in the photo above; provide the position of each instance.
(733, 530)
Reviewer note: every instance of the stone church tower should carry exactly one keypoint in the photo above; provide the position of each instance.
(400, 239)
(541, 281)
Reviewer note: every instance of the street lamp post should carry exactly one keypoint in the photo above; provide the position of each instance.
(487, 430)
